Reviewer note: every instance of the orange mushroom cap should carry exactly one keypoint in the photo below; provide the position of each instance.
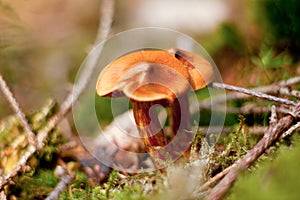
(151, 75)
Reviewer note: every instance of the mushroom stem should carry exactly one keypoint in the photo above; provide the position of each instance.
(149, 128)
(179, 120)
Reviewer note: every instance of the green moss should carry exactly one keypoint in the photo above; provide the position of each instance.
(97, 193)
(35, 185)
(114, 188)
(131, 193)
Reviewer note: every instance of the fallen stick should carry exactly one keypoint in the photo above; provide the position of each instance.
(271, 135)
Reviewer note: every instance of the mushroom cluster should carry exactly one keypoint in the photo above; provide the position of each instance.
(158, 77)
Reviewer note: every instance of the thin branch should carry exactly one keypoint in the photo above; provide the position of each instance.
(216, 177)
(273, 117)
(91, 63)
(253, 93)
(291, 130)
(16, 108)
(287, 91)
(226, 171)
(64, 108)
(107, 13)
(278, 87)
(246, 109)
(220, 175)
(291, 81)
(273, 89)
(271, 135)
(66, 179)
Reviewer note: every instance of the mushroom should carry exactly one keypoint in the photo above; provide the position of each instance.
(156, 77)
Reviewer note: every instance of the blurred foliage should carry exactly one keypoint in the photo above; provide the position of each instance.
(42, 46)
(226, 37)
(268, 59)
(269, 64)
(280, 20)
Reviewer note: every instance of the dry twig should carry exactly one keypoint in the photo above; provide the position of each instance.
(216, 177)
(253, 93)
(282, 87)
(105, 24)
(273, 121)
(271, 135)
(66, 179)
(289, 92)
(106, 15)
(16, 108)
(275, 88)
(291, 130)
(248, 108)
(273, 117)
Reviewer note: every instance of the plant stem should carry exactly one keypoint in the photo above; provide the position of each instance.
(180, 125)
(149, 128)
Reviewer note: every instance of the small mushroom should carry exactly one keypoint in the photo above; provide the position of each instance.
(151, 77)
